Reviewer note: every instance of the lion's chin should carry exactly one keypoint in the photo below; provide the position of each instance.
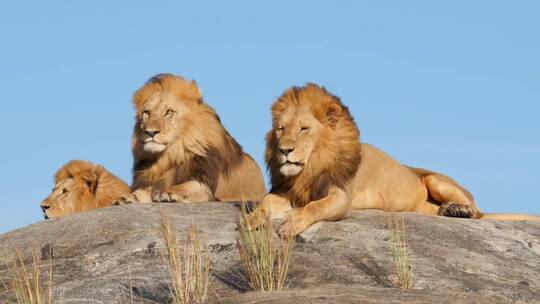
(289, 169)
(48, 216)
(154, 147)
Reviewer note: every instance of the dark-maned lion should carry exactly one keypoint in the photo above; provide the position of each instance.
(320, 170)
(182, 152)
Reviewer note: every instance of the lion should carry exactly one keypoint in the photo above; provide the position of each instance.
(320, 170)
(82, 186)
(182, 152)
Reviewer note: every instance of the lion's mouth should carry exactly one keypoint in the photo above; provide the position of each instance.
(288, 162)
(290, 168)
(151, 140)
(154, 146)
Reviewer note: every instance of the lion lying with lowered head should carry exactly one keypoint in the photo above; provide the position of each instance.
(82, 186)
(320, 170)
(182, 152)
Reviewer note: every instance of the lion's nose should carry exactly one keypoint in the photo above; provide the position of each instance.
(151, 133)
(286, 152)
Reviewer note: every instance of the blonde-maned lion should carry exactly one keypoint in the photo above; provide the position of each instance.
(320, 170)
(182, 152)
(82, 186)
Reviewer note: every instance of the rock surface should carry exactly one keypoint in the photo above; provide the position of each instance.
(101, 255)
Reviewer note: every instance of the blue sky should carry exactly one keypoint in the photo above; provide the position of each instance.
(453, 86)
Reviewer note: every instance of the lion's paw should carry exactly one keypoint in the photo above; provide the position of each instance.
(130, 199)
(286, 229)
(294, 224)
(166, 197)
(457, 210)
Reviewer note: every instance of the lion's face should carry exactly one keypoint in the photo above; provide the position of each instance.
(69, 196)
(163, 108)
(161, 121)
(304, 135)
(297, 134)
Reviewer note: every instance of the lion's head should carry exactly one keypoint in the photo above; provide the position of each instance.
(82, 186)
(313, 143)
(163, 107)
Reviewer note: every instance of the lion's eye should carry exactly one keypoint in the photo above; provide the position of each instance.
(170, 113)
(64, 191)
(280, 129)
(304, 129)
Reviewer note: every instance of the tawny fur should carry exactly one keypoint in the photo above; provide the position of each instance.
(191, 158)
(82, 186)
(320, 170)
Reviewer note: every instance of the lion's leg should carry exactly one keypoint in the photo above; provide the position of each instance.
(455, 200)
(188, 192)
(427, 208)
(273, 206)
(333, 207)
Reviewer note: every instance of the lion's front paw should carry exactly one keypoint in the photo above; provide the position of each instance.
(166, 197)
(295, 223)
(130, 199)
(457, 210)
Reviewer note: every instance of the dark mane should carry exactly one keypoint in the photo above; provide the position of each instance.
(334, 162)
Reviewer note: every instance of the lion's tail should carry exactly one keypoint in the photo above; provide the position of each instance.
(509, 217)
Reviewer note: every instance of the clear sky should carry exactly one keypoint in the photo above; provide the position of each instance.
(453, 86)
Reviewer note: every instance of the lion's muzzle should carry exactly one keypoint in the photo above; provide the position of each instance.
(44, 206)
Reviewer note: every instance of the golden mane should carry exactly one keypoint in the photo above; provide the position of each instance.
(337, 157)
(204, 151)
(91, 186)
(106, 187)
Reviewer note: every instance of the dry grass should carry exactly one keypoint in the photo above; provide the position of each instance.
(130, 286)
(396, 227)
(265, 262)
(131, 299)
(25, 283)
(189, 267)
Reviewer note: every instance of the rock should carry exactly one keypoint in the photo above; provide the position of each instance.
(100, 255)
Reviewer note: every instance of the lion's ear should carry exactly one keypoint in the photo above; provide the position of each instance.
(332, 113)
(91, 180)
